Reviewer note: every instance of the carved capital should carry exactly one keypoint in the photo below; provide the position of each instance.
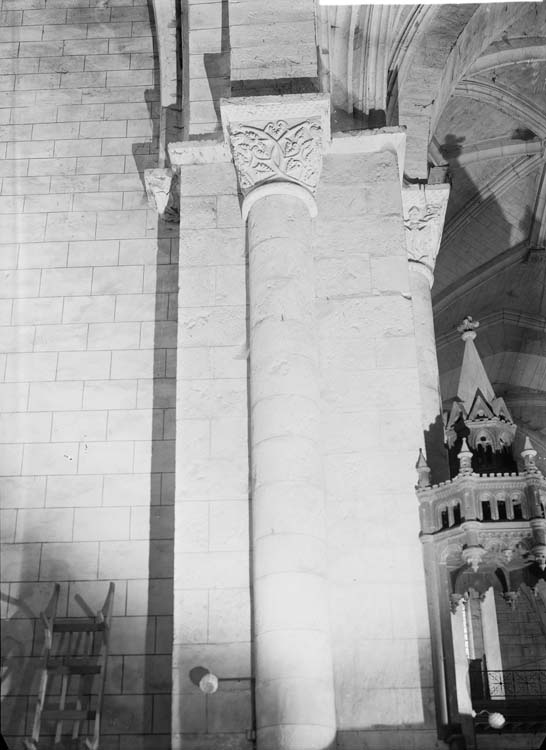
(277, 139)
(162, 192)
(424, 215)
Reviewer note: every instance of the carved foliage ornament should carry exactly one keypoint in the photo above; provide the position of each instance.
(277, 152)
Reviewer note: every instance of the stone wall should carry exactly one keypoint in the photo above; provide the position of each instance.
(88, 337)
(212, 603)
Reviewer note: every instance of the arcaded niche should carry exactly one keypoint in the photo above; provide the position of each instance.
(259, 259)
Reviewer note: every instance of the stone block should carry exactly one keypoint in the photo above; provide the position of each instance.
(64, 337)
(23, 492)
(20, 562)
(117, 280)
(219, 398)
(230, 361)
(70, 226)
(24, 283)
(66, 561)
(103, 165)
(27, 186)
(191, 715)
(38, 81)
(152, 597)
(204, 248)
(30, 367)
(100, 129)
(73, 491)
(390, 273)
(193, 438)
(47, 525)
(84, 147)
(55, 396)
(192, 526)
(162, 714)
(136, 307)
(102, 201)
(99, 309)
(134, 364)
(231, 712)
(64, 31)
(5, 315)
(111, 457)
(208, 179)
(68, 64)
(118, 335)
(198, 212)
(46, 204)
(169, 424)
(191, 621)
(134, 111)
(124, 560)
(211, 326)
(164, 634)
(124, 714)
(214, 479)
(83, 365)
(131, 424)
(53, 458)
(229, 615)
(161, 335)
(101, 524)
(149, 673)
(29, 149)
(157, 523)
(75, 183)
(20, 427)
(46, 310)
(8, 518)
(157, 454)
(229, 525)
(49, 255)
(8, 259)
(15, 394)
(129, 489)
(141, 251)
(161, 279)
(11, 459)
(211, 570)
(12, 204)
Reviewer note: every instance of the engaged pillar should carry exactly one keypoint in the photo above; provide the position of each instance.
(424, 214)
(277, 151)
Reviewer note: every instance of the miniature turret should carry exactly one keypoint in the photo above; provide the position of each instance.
(478, 417)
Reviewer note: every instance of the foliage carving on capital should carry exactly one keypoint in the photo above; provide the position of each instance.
(277, 152)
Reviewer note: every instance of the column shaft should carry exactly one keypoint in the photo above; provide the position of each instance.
(294, 682)
(427, 363)
(491, 640)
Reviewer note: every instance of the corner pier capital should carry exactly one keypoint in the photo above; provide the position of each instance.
(277, 143)
(424, 215)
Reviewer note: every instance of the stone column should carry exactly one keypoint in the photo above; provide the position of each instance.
(277, 150)
(424, 214)
(491, 640)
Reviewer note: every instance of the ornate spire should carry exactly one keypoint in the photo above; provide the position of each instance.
(473, 376)
(479, 430)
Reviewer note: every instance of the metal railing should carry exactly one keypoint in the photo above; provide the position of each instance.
(516, 683)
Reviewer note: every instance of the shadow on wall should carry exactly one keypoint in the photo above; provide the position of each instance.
(158, 660)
